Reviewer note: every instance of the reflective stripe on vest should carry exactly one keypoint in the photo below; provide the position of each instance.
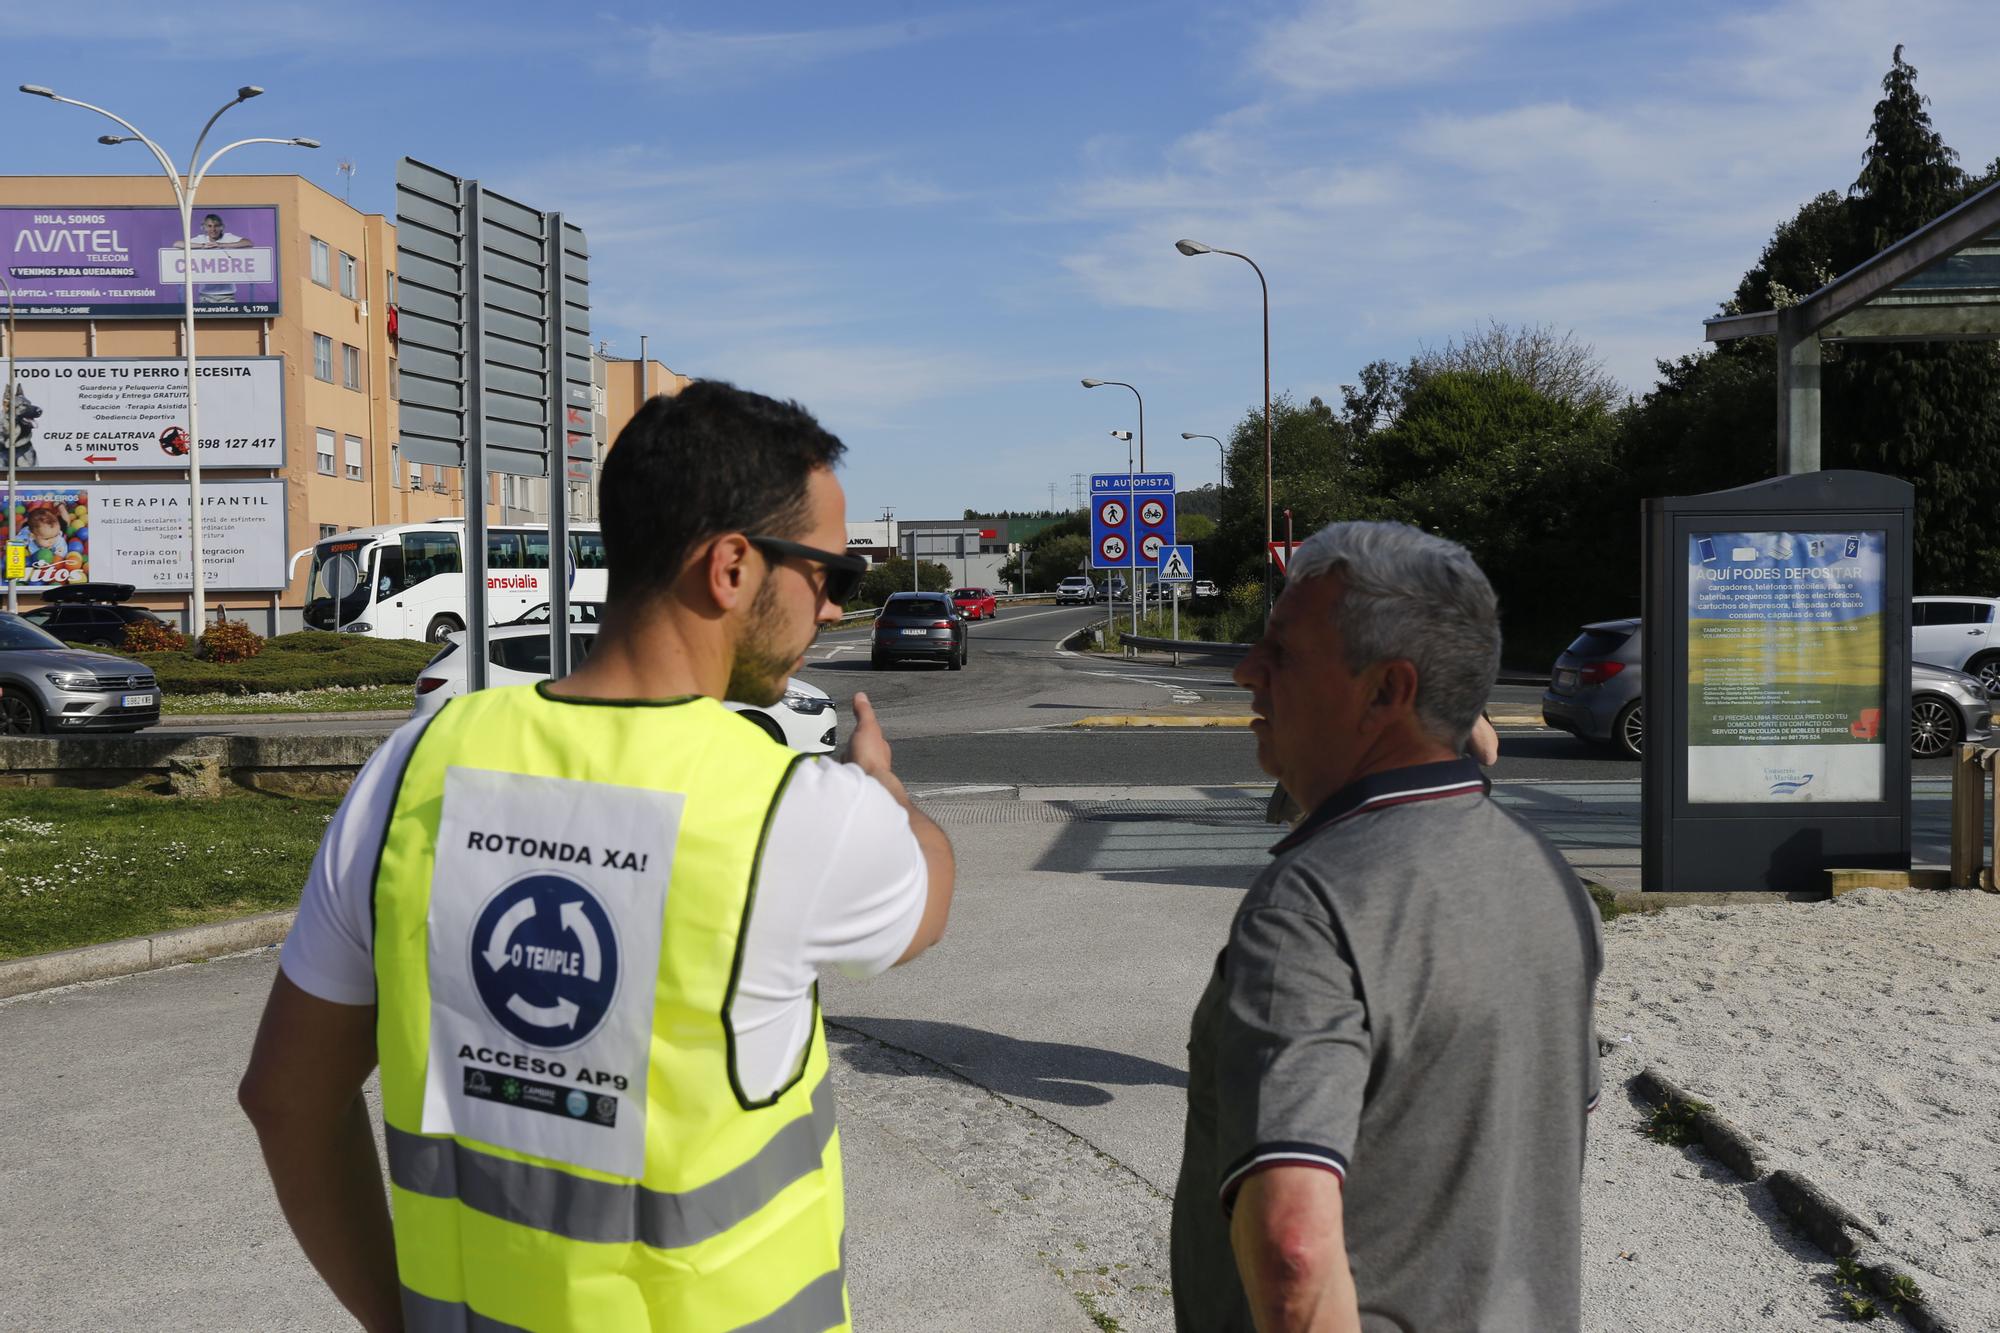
(730, 1216)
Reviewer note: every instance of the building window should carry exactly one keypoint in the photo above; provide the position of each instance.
(390, 285)
(325, 442)
(328, 530)
(395, 380)
(323, 357)
(350, 365)
(416, 476)
(353, 459)
(322, 261)
(350, 286)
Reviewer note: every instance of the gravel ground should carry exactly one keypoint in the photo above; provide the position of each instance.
(1858, 1040)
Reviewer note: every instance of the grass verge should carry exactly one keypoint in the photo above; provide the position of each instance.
(307, 660)
(84, 867)
(339, 699)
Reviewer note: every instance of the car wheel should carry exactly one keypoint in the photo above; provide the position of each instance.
(1934, 727)
(1987, 668)
(765, 725)
(1628, 733)
(441, 626)
(102, 643)
(18, 714)
(956, 662)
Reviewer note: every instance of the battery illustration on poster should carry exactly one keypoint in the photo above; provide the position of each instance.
(1786, 690)
(53, 523)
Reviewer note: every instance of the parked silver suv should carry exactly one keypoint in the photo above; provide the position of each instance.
(46, 686)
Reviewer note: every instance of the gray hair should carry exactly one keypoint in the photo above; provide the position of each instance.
(1419, 597)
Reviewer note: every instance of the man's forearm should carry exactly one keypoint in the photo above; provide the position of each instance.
(1292, 1255)
(329, 1184)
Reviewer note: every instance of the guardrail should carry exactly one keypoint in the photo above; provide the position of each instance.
(1137, 643)
(1969, 806)
(1004, 599)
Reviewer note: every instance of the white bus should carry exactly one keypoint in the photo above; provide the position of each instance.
(407, 580)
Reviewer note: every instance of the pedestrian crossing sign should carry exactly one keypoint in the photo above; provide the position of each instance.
(1177, 564)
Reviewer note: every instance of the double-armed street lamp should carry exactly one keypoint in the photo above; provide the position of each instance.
(184, 186)
(1191, 248)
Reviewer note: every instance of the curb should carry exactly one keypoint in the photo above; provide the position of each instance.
(1107, 720)
(1828, 1223)
(118, 958)
(303, 715)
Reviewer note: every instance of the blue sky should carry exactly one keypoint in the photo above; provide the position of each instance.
(928, 222)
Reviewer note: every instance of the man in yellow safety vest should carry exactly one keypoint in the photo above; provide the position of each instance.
(578, 926)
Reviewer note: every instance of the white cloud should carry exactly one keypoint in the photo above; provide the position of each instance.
(1342, 46)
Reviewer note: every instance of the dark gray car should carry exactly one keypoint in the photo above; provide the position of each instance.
(46, 686)
(919, 627)
(1594, 694)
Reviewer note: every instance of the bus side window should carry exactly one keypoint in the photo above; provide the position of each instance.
(389, 571)
(587, 550)
(429, 554)
(535, 550)
(503, 550)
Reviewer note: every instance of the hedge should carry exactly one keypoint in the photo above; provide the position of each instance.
(307, 660)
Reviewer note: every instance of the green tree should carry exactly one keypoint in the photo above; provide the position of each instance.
(893, 575)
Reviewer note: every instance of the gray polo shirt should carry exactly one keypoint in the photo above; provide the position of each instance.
(1405, 1001)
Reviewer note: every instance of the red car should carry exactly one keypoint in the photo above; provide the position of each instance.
(975, 603)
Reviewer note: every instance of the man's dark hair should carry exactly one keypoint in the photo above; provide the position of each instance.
(211, 217)
(711, 459)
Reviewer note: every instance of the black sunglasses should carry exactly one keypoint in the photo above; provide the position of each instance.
(843, 572)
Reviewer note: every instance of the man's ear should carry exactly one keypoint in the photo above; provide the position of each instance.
(728, 574)
(1394, 693)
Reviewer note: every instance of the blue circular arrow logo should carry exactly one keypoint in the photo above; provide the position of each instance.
(545, 960)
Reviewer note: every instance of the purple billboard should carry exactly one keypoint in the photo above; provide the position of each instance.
(110, 263)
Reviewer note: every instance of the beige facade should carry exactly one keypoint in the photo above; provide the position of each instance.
(340, 360)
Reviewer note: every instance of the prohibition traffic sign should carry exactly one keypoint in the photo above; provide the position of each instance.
(1152, 513)
(1111, 513)
(1112, 548)
(1150, 547)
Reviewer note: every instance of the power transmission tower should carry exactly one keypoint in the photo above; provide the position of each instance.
(1076, 480)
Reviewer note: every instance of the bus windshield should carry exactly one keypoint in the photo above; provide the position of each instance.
(337, 589)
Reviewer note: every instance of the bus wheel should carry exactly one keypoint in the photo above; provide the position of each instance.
(441, 626)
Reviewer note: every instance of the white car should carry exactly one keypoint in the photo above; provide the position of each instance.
(1206, 588)
(804, 719)
(1960, 633)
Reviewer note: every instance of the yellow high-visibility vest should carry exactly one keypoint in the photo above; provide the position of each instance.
(560, 909)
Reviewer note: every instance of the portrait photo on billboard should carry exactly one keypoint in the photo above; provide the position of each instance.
(128, 262)
(53, 523)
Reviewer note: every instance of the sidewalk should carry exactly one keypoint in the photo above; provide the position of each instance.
(1010, 1105)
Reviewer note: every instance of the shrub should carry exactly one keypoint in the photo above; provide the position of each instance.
(153, 636)
(229, 641)
(308, 660)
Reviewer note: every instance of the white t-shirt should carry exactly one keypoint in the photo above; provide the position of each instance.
(842, 883)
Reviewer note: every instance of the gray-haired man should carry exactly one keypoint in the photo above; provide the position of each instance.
(1390, 1068)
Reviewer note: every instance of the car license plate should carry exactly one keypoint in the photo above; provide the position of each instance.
(1565, 680)
(916, 631)
(138, 701)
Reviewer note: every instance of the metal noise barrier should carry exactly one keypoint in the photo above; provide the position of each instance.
(1972, 828)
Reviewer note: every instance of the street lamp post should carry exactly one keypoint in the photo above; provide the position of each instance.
(1093, 384)
(1187, 247)
(1221, 462)
(13, 410)
(184, 187)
